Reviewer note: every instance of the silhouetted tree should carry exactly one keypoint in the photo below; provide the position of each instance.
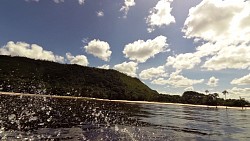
(215, 96)
(225, 92)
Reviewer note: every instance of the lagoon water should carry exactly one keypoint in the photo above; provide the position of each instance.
(38, 118)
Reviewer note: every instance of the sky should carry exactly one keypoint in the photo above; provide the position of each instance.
(170, 45)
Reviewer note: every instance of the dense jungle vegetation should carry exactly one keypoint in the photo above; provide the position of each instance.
(23, 75)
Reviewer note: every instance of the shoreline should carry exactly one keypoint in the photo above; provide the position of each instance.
(121, 101)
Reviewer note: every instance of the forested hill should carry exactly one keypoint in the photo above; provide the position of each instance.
(19, 74)
(23, 75)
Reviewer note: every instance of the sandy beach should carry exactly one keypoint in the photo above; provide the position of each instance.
(124, 101)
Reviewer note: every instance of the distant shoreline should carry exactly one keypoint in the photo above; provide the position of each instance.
(122, 101)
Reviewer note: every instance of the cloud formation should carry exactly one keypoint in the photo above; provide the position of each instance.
(79, 59)
(236, 92)
(245, 80)
(160, 15)
(33, 51)
(100, 13)
(141, 51)
(104, 67)
(128, 68)
(218, 55)
(184, 61)
(213, 82)
(229, 57)
(219, 20)
(126, 6)
(99, 49)
(191, 88)
(148, 74)
(177, 80)
(81, 2)
(224, 25)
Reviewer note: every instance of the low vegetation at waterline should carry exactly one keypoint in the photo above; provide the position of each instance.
(23, 75)
(192, 97)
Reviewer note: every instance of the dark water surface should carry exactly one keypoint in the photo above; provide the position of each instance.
(38, 118)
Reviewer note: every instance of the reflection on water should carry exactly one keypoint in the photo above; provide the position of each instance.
(37, 118)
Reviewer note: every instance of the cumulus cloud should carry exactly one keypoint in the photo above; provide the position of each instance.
(99, 49)
(126, 6)
(209, 49)
(239, 92)
(190, 60)
(160, 15)
(104, 67)
(153, 73)
(223, 24)
(160, 81)
(218, 55)
(245, 80)
(184, 61)
(177, 80)
(100, 13)
(191, 88)
(213, 82)
(141, 51)
(219, 20)
(229, 57)
(79, 59)
(58, 1)
(33, 51)
(128, 68)
(81, 2)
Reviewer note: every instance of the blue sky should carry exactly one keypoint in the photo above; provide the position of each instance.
(171, 45)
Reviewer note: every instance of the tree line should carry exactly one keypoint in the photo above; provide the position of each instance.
(23, 75)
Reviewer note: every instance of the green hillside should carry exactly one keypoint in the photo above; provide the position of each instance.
(19, 74)
(23, 75)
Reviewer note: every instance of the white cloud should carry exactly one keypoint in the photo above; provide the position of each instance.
(33, 51)
(191, 88)
(184, 61)
(127, 68)
(104, 67)
(223, 24)
(239, 92)
(160, 15)
(245, 80)
(81, 2)
(230, 57)
(213, 82)
(209, 49)
(219, 20)
(153, 73)
(190, 60)
(177, 80)
(100, 13)
(58, 1)
(79, 59)
(126, 6)
(99, 49)
(160, 81)
(141, 50)
(219, 56)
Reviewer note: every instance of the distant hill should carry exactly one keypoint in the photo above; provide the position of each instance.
(23, 75)
(19, 74)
